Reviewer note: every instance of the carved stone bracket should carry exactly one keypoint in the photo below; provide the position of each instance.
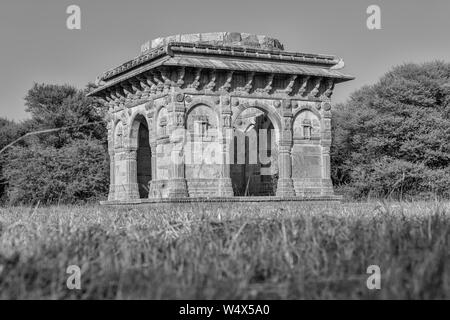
(158, 81)
(316, 85)
(329, 87)
(227, 85)
(290, 85)
(181, 74)
(196, 83)
(249, 85)
(165, 75)
(303, 85)
(212, 81)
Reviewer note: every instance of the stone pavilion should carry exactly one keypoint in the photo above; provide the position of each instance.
(220, 116)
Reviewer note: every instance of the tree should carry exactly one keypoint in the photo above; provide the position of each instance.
(393, 138)
(56, 106)
(69, 165)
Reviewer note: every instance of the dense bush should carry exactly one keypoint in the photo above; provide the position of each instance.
(69, 165)
(9, 131)
(75, 172)
(393, 138)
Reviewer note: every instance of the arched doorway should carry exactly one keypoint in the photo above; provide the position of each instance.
(254, 171)
(144, 156)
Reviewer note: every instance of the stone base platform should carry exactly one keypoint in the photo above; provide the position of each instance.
(318, 199)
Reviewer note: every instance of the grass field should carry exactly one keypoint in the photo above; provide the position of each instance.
(227, 251)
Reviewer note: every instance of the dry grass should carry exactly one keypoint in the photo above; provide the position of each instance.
(227, 251)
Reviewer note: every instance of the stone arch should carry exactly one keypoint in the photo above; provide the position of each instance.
(207, 110)
(307, 108)
(307, 124)
(270, 112)
(139, 138)
(254, 170)
(161, 121)
(201, 101)
(137, 120)
(202, 149)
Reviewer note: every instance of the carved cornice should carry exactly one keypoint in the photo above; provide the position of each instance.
(219, 50)
(160, 82)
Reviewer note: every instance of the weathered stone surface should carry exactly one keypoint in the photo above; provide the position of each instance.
(222, 38)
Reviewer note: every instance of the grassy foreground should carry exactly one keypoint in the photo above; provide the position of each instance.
(227, 251)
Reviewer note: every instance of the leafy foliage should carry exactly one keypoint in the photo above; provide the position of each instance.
(64, 166)
(9, 131)
(71, 173)
(57, 106)
(393, 138)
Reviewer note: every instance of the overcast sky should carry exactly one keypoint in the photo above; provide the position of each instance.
(36, 46)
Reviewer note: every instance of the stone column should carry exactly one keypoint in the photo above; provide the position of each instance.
(111, 195)
(226, 138)
(177, 181)
(285, 186)
(126, 187)
(110, 127)
(327, 185)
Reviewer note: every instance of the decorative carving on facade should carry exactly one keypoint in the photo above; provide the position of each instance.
(326, 106)
(277, 104)
(179, 97)
(180, 119)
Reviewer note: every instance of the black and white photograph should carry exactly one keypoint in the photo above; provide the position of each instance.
(227, 159)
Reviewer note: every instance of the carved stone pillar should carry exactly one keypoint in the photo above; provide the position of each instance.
(177, 181)
(285, 186)
(127, 186)
(225, 183)
(327, 184)
(112, 183)
(110, 127)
